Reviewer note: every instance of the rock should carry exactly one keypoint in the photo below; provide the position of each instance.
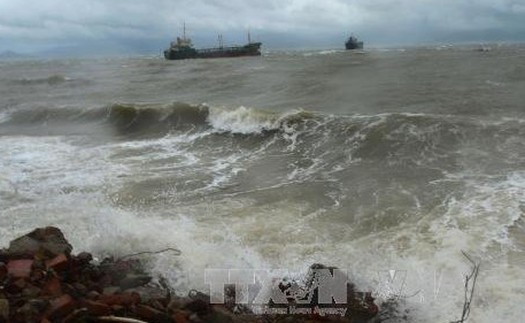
(29, 312)
(84, 258)
(110, 290)
(194, 317)
(123, 299)
(180, 316)
(52, 287)
(133, 280)
(71, 290)
(159, 304)
(362, 307)
(4, 255)
(30, 291)
(59, 263)
(220, 315)
(78, 315)
(4, 310)
(198, 306)
(46, 242)
(3, 272)
(96, 308)
(20, 268)
(60, 307)
(93, 295)
(118, 310)
(16, 287)
(151, 314)
(176, 303)
(38, 275)
(39, 304)
(40, 281)
(118, 269)
(80, 288)
(148, 293)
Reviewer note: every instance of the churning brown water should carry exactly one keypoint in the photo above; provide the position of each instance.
(372, 161)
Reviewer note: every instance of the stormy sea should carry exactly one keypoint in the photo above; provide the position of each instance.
(388, 163)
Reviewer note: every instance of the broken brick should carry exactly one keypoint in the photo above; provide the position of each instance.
(61, 306)
(180, 316)
(20, 268)
(52, 287)
(15, 287)
(123, 299)
(96, 308)
(147, 312)
(59, 263)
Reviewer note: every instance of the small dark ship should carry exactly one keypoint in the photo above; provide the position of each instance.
(183, 49)
(353, 43)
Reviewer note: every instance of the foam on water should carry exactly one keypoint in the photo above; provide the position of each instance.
(62, 185)
(356, 184)
(58, 183)
(4, 117)
(242, 120)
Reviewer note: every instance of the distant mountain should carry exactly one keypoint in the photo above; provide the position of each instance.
(103, 48)
(12, 55)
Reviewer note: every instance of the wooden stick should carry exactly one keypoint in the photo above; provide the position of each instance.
(119, 319)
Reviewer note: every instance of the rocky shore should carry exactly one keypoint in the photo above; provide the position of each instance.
(42, 281)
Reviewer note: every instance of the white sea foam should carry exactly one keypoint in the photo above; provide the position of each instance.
(242, 233)
(242, 120)
(4, 117)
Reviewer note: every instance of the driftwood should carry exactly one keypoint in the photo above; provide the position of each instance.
(176, 251)
(118, 319)
(470, 285)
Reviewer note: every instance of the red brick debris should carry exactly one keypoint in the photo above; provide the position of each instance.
(41, 281)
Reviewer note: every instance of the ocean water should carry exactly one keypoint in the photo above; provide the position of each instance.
(379, 161)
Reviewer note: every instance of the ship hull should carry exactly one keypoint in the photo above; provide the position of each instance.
(354, 45)
(252, 49)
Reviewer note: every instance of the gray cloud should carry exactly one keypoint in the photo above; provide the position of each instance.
(24, 23)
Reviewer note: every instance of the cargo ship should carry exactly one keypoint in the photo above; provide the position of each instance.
(182, 48)
(353, 43)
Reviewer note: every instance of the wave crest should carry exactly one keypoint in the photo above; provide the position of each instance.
(250, 121)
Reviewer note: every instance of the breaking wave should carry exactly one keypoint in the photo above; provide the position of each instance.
(160, 118)
(400, 138)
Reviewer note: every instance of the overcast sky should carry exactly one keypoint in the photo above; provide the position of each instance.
(29, 25)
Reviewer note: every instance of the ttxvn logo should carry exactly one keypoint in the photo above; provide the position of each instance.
(324, 291)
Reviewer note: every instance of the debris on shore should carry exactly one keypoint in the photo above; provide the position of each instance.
(42, 281)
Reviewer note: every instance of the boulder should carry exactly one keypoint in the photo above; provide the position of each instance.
(133, 280)
(45, 242)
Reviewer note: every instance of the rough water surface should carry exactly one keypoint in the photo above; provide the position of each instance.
(374, 161)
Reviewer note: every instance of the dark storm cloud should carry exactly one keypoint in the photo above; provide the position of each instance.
(26, 22)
